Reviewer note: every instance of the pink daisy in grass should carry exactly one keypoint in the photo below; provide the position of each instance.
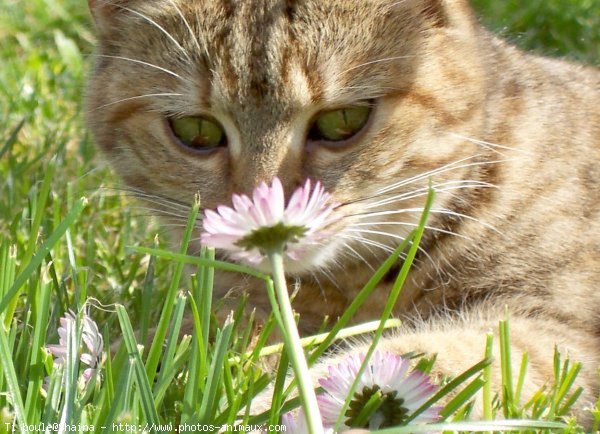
(263, 231)
(92, 339)
(296, 424)
(400, 392)
(264, 223)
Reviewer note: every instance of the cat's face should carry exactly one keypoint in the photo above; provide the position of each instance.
(212, 97)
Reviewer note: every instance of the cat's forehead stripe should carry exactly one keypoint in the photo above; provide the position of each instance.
(259, 58)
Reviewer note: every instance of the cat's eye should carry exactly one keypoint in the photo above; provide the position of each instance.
(340, 124)
(198, 133)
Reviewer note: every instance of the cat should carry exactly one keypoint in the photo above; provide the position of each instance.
(375, 98)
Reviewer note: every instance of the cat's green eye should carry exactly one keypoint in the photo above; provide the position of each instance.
(198, 133)
(341, 124)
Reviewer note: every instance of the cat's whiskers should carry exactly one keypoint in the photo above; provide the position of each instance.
(393, 5)
(319, 285)
(491, 146)
(354, 254)
(166, 207)
(368, 243)
(180, 211)
(186, 23)
(353, 237)
(401, 239)
(456, 165)
(323, 34)
(441, 211)
(325, 272)
(369, 92)
(159, 27)
(413, 225)
(148, 64)
(132, 98)
(462, 184)
(139, 193)
(157, 212)
(389, 249)
(372, 62)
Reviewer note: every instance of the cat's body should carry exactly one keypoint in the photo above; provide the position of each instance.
(511, 142)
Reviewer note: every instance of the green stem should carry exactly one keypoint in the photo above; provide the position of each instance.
(294, 346)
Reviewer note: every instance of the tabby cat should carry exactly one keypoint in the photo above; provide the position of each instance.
(374, 98)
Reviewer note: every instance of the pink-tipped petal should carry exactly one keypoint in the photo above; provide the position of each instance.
(385, 370)
(308, 210)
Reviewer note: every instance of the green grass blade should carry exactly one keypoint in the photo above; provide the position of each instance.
(52, 405)
(123, 386)
(521, 378)
(565, 408)
(496, 426)
(8, 265)
(277, 399)
(145, 392)
(39, 210)
(567, 381)
(195, 260)
(506, 369)
(36, 369)
(165, 316)
(198, 365)
(210, 400)
(311, 341)
(206, 293)
(391, 301)
(171, 346)
(12, 138)
(487, 379)
(462, 398)
(179, 361)
(40, 255)
(12, 381)
(448, 388)
(147, 290)
(361, 297)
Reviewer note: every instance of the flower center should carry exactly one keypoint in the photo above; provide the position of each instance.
(272, 237)
(390, 412)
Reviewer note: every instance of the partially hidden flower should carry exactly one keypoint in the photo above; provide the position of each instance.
(399, 392)
(296, 424)
(91, 337)
(263, 223)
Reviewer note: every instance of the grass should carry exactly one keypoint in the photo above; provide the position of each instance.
(550, 27)
(58, 251)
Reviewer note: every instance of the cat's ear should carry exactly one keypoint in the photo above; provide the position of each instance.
(445, 13)
(105, 12)
(435, 12)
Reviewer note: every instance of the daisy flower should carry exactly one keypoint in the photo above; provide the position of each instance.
(261, 231)
(257, 225)
(92, 339)
(296, 424)
(399, 391)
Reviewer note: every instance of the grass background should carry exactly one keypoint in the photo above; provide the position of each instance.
(47, 160)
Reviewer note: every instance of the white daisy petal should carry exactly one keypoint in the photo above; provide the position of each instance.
(300, 224)
(92, 339)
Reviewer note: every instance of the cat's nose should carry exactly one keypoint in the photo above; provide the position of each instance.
(248, 173)
(289, 181)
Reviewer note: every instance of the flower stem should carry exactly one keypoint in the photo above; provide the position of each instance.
(294, 346)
